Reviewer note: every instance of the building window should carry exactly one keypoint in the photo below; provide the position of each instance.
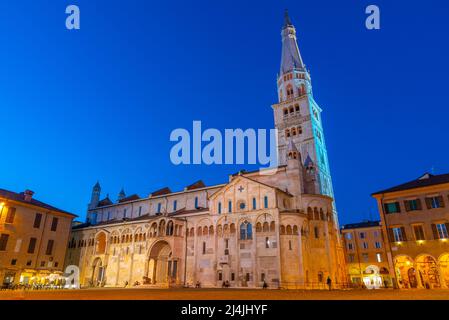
(196, 202)
(109, 215)
(442, 231)
(254, 204)
(247, 277)
(54, 224)
(362, 235)
(29, 262)
(365, 257)
(219, 208)
(289, 245)
(42, 263)
(262, 277)
(159, 206)
(267, 243)
(204, 247)
(348, 236)
(140, 211)
(242, 205)
(13, 262)
(379, 257)
(49, 250)
(32, 245)
(265, 202)
(37, 220)
(378, 245)
(365, 245)
(229, 206)
(398, 234)
(175, 205)
(412, 205)
(232, 276)
(392, 207)
(350, 246)
(351, 258)
(419, 232)
(317, 232)
(124, 213)
(220, 276)
(4, 241)
(246, 231)
(435, 202)
(10, 215)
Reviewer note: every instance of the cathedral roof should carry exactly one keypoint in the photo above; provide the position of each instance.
(160, 192)
(291, 57)
(130, 198)
(196, 185)
(105, 202)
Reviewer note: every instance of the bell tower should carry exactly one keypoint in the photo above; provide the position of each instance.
(297, 115)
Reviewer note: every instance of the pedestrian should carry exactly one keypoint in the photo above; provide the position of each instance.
(265, 285)
(329, 282)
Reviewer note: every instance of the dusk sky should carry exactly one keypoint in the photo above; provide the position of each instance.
(100, 103)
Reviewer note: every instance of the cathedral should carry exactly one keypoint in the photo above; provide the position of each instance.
(278, 230)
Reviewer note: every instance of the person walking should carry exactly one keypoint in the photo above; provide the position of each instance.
(329, 282)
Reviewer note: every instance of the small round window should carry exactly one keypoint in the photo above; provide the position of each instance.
(242, 205)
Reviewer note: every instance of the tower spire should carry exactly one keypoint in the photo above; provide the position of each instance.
(287, 21)
(291, 58)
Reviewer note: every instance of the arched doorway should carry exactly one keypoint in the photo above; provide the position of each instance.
(428, 271)
(444, 268)
(405, 272)
(100, 243)
(97, 272)
(162, 269)
(372, 278)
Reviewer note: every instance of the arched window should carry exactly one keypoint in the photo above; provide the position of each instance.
(316, 215)
(219, 208)
(296, 107)
(258, 227)
(293, 131)
(169, 231)
(196, 202)
(211, 230)
(205, 231)
(285, 111)
(272, 226)
(254, 204)
(229, 206)
(287, 133)
(289, 230)
(299, 130)
(289, 92)
(295, 230)
(265, 202)
(246, 231)
(265, 227)
(282, 229)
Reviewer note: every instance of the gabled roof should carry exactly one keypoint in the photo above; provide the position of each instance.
(425, 180)
(235, 178)
(105, 202)
(160, 192)
(20, 197)
(196, 185)
(129, 198)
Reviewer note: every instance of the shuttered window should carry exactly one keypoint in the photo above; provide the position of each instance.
(3, 241)
(413, 205)
(10, 215)
(49, 250)
(419, 232)
(392, 207)
(37, 221)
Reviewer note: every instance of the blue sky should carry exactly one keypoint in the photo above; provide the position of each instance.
(100, 103)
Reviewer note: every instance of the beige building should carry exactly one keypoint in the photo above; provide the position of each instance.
(415, 219)
(365, 252)
(33, 239)
(276, 226)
